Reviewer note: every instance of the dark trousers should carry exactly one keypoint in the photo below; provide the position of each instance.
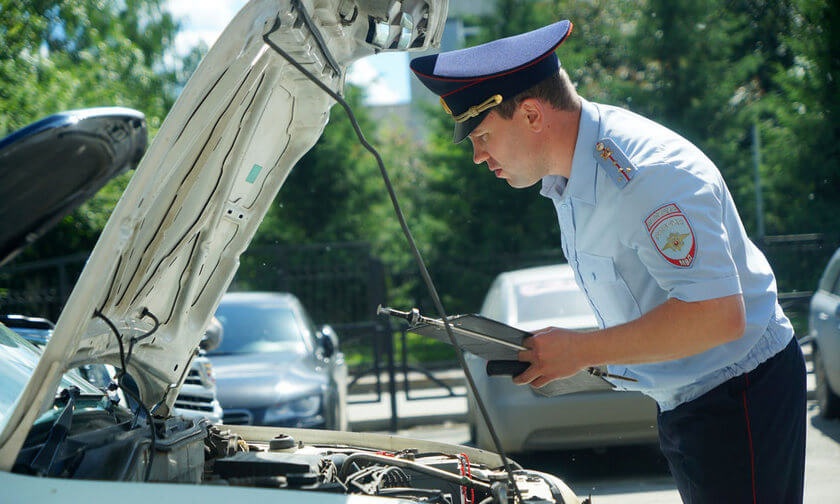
(743, 441)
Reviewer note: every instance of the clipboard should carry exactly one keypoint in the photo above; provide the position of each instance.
(495, 341)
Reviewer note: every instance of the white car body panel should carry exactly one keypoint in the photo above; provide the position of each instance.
(30, 489)
(173, 242)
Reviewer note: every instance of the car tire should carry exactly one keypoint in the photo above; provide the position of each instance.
(827, 399)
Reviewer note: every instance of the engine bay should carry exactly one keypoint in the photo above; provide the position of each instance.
(182, 450)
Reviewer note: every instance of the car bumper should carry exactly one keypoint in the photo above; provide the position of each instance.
(526, 421)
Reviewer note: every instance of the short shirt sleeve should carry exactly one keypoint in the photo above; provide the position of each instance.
(680, 234)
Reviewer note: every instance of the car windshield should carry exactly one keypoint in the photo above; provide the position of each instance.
(256, 328)
(550, 298)
(18, 359)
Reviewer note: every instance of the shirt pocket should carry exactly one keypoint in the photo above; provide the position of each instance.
(609, 294)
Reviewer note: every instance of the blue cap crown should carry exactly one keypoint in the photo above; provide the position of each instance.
(472, 81)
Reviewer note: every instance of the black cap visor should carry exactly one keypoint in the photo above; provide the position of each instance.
(463, 129)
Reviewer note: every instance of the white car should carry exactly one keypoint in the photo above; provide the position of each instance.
(532, 299)
(167, 254)
(824, 325)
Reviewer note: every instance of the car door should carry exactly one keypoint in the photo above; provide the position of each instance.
(825, 319)
(825, 323)
(329, 362)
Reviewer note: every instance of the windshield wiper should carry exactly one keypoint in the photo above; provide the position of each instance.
(43, 461)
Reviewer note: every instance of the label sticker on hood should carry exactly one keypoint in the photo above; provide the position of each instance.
(253, 174)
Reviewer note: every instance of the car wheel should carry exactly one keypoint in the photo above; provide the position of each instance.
(827, 400)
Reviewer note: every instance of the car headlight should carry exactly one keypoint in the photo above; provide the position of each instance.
(303, 407)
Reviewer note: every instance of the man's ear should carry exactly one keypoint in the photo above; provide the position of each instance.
(532, 111)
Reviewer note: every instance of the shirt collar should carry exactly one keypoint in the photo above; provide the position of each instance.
(581, 184)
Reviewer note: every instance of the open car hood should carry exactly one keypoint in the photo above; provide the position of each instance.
(54, 165)
(172, 244)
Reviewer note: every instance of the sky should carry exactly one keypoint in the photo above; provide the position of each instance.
(384, 76)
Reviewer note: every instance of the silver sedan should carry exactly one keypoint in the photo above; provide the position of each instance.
(532, 299)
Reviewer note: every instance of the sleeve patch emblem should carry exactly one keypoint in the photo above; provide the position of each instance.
(672, 235)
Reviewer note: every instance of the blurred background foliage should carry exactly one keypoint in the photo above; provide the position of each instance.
(715, 71)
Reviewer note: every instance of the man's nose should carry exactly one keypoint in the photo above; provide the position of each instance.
(479, 154)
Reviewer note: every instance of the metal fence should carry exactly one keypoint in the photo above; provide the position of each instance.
(798, 260)
(39, 288)
(343, 283)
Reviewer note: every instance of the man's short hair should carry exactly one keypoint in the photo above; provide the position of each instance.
(557, 90)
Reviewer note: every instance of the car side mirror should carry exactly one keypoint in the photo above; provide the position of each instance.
(329, 340)
(212, 336)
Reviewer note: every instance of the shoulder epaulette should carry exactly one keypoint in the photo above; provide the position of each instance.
(613, 160)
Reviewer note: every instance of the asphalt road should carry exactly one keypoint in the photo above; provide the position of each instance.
(636, 475)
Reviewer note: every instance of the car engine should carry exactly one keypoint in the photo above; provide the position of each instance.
(209, 454)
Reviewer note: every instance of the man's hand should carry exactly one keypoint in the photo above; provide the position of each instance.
(556, 353)
(553, 354)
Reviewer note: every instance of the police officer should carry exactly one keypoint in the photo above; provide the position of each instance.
(686, 303)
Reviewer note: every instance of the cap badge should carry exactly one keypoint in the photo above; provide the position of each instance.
(611, 158)
(473, 111)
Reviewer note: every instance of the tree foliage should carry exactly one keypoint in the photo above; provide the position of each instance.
(61, 54)
(709, 70)
(800, 122)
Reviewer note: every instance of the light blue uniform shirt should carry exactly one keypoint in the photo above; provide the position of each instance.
(646, 216)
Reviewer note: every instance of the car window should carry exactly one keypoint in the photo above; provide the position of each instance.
(18, 359)
(550, 298)
(830, 278)
(492, 303)
(256, 328)
(836, 289)
(309, 330)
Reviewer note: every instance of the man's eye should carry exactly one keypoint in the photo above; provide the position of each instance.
(479, 139)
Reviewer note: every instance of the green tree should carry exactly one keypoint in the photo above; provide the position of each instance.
(800, 122)
(63, 54)
(709, 70)
(715, 70)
